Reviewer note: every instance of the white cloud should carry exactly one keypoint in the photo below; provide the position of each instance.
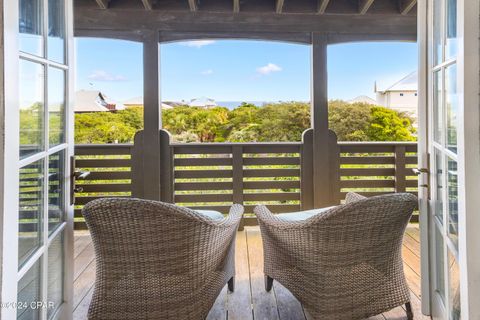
(197, 43)
(102, 75)
(207, 72)
(269, 68)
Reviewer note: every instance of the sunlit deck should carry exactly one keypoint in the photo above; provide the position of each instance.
(250, 300)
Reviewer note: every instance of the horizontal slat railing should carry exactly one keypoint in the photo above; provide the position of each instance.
(110, 174)
(374, 168)
(213, 176)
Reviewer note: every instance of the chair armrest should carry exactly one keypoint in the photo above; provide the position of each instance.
(353, 197)
(234, 215)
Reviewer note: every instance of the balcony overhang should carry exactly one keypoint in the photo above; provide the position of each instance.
(288, 20)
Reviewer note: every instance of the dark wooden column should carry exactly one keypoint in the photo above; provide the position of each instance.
(319, 110)
(151, 117)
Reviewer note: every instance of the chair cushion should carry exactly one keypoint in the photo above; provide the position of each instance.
(302, 215)
(353, 197)
(212, 214)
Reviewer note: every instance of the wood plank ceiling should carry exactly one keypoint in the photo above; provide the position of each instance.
(291, 20)
(320, 7)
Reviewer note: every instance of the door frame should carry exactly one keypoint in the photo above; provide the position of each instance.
(10, 157)
(469, 157)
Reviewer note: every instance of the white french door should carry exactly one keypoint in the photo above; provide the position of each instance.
(450, 145)
(37, 257)
(443, 146)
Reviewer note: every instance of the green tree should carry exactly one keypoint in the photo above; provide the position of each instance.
(349, 121)
(243, 123)
(285, 121)
(389, 125)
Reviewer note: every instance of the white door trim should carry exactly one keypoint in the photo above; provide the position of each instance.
(423, 159)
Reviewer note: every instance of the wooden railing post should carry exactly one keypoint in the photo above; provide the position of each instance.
(334, 162)
(306, 170)
(151, 117)
(319, 119)
(166, 167)
(237, 176)
(400, 178)
(137, 165)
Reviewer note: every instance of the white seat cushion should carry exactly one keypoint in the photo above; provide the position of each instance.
(212, 214)
(302, 215)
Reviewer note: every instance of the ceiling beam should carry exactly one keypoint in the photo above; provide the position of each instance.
(406, 6)
(148, 4)
(236, 6)
(364, 5)
(103, 4)
(279, 6)
(193, 5)
(322, 6)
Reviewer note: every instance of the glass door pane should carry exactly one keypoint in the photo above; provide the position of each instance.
(28, 293)
(43, 203)
(32, 100)
(438, 180)
(56, 30)
(437, 31)
(437, 107)
(55, 275)
(30, 228)
(56, 190)
(31, 27)
(56, 106)
(451, 30)
(451, 105)
(452, 193)
(454, 287)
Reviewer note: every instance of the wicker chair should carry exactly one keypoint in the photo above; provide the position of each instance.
(342, 263)
(158, 261)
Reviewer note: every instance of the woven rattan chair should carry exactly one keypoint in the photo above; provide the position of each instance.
(344, 262)
(158, 261)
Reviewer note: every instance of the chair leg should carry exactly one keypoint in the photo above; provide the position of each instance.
(408, 308)
(231, 284)
(268, 283)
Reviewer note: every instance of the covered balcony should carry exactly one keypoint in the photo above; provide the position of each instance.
(214, 176)
(287, 176)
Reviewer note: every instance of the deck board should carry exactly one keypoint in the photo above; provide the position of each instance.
(249, 301)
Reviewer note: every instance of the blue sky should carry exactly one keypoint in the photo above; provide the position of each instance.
(234, 70)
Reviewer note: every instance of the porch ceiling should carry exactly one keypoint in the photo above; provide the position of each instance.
(289, 20)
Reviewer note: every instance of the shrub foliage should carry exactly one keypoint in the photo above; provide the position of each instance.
(283, 121)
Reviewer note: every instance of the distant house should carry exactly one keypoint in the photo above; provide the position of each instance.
(94, 101)
(202, 102)
(362, 99)
(401, 96)
(138, 102)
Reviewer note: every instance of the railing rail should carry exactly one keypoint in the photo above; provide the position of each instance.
(213, 176)
(110, 174)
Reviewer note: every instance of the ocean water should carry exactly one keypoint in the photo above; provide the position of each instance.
(234, 104)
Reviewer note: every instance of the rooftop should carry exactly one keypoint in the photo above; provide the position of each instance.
(407, 83)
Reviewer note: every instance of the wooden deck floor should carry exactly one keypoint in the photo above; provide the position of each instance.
(249, 301)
